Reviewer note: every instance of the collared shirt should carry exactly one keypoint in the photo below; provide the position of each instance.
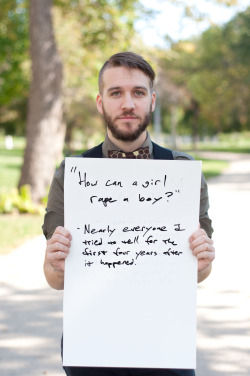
(55, 208)
(109, 145)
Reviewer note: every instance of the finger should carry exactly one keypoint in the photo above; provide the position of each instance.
(58, 256)
(57, 260)
(204, 247)
(196, 234)
(203, 239)
(206, 255)
(58, 238)
(63, 231)
(57, 247)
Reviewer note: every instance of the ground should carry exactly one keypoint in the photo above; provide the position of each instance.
(31, 312)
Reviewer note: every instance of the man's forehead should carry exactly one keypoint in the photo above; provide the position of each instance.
(121, 76)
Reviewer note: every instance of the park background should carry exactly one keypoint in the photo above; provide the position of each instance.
(50, 56)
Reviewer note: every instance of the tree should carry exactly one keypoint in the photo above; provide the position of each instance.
(214, 68)
(97, 26)
(45, 129)
(14, 65)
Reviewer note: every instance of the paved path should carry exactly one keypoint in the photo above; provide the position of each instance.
(31, 312)
(224, 299)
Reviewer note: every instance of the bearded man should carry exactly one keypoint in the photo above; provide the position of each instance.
(126, 100)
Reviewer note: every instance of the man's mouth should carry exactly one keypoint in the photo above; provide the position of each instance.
(127, 117)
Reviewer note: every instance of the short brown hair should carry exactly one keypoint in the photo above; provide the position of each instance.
(128, 60)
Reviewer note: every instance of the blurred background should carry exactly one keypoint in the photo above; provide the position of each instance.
(50, 56)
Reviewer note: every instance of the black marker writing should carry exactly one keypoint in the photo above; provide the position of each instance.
(88, 263)
(144, 229)
(119, 253)
(168, 241)
(89, 230)
(144, 253)
(104, 200)
(115, 183)
(170, 252)
(178, 227)
(150, 240)
(154, 199)
(85, 181)
(92, 242)
(129, 241)
(89, 252)
(116, 263)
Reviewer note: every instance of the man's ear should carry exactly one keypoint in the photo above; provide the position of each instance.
(153, 100)
(99, 103)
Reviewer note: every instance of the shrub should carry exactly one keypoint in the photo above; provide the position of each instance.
(19, 201)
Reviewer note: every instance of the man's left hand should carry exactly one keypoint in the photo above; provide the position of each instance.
(202, 247)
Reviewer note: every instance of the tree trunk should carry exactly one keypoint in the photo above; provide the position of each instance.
(45, 128)
(195, 123)
(173, 126)
(157, 121)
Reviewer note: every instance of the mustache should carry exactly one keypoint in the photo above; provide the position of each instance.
(127, 113)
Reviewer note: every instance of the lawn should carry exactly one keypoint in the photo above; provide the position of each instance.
(16, 228)
(212, 168)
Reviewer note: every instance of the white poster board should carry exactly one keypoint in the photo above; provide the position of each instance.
(130, 278)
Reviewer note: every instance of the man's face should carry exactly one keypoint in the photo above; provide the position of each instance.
(126, 102)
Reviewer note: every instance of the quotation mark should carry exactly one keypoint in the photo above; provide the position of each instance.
(73, 169)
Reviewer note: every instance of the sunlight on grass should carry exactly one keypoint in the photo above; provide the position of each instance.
(212, 168)
(16, 228)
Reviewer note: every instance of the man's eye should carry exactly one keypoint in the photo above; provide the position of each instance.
(115, 94)
(139, 93)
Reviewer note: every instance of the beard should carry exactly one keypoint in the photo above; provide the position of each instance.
(127, 136)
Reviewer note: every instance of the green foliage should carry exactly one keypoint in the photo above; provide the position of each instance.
(88, 32)
(18, 201)
(14, 65)
(214, 69)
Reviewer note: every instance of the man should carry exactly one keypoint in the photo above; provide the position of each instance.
(126, 100)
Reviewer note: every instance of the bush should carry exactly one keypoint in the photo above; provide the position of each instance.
(19, 201)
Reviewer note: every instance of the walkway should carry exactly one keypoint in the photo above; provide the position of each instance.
(31, 312)
(223, 299)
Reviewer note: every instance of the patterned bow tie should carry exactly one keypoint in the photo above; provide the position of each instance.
(141, 153)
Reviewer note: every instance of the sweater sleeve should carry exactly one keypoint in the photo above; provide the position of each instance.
(205, 221)
(55, 207)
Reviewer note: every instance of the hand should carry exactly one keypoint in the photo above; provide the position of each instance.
(58, 248)
(202, 247)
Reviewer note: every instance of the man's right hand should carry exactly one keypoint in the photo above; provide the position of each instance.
(57, 251)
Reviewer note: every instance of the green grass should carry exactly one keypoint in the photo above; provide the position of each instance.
(10, 164)
(227, 142)
(212, 168)
(15, 229)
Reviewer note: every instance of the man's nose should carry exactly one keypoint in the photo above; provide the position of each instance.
(128, 102)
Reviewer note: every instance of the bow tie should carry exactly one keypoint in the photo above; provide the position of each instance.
(141, 153)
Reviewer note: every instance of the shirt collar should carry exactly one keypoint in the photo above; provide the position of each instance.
(109, 145)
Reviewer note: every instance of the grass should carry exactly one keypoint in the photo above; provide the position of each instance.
(232, 142)
(10, 167)
(15, 229)
(212, 168)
